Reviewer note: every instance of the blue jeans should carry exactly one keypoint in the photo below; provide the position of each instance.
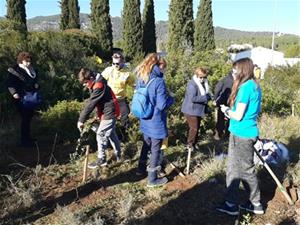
(151, 145)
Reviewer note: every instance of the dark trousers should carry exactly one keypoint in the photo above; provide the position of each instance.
(240, 168)
(124, 111)
(222, 124)
(194, 125)
(151, 145)
(26, 117)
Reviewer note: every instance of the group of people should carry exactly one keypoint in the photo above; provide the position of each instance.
(237, 96)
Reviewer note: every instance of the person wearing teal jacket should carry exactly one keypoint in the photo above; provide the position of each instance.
(245, 105)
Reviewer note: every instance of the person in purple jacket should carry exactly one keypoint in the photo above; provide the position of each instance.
(154, 129)
(194, 106)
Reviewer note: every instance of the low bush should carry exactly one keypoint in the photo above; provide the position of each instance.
(280, 90)
(61, 119)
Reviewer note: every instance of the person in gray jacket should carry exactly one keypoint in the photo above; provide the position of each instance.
(194, 105)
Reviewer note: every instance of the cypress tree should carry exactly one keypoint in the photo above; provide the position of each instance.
(64, 17)
(204, 30)
(101, 25)
(132, 29)
(181, 25)
(149, 37)
(16, 12)
(74, 20)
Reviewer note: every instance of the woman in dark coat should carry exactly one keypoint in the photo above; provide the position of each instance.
(194, 105)
(22, 79)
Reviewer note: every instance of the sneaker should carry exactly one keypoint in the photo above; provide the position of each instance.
(97, 163)
(230, 209)
(256, 209)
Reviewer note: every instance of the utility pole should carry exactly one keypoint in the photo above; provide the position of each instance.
(274, 27)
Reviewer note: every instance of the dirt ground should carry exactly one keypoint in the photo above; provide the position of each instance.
(120, 197)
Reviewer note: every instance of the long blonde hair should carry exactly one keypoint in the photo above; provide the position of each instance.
(144, 69)
(244, 71)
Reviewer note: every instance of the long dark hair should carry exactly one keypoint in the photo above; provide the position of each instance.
(244, 71)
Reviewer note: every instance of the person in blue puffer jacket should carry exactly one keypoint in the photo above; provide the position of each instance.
(154, 129)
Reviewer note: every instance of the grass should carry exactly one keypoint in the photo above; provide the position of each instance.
(122, 199)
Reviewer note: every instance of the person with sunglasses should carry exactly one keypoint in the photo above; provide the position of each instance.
(194, 106)
(119, 79)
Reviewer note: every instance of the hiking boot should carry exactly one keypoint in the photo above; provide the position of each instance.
(158, 182)
(153, 180)
(97, 163)
(229, 208)
(254, 208)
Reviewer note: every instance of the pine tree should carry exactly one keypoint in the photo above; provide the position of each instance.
(149, 37)
(74, 20)
(16, 12)
(101, 25)
(204, 30)
(132, 29)
(181, 25)
(64, 17)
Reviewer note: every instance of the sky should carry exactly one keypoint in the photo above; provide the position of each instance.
(246, 15)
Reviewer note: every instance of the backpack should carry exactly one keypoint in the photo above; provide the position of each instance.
(141, 106)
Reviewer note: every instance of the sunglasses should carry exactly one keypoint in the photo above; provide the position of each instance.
(116, 64)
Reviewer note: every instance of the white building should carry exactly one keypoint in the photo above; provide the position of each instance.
(261, 56)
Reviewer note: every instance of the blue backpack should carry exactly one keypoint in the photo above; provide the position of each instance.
(141, 106)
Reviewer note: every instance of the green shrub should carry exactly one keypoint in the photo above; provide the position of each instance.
(62, 119)
(11, 42)
(57, 57)
(280, 90)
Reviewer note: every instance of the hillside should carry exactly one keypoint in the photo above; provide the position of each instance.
(221, 34)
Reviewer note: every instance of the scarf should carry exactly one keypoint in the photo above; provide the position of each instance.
(30, 71)
(203, 90)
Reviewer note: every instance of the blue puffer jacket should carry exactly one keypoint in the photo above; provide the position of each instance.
(194, 103)
(156, 126)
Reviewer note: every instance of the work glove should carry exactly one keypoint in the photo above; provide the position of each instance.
(225, 110)
(80, 126)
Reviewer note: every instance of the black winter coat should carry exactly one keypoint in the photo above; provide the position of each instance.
(223, 90)
(19, 81)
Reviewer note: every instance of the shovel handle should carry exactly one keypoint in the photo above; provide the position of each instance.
(188, 161)
(85, 163)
